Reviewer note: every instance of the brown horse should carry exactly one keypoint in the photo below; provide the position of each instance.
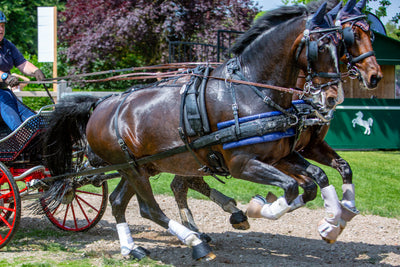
(146, 121)
(359, 57)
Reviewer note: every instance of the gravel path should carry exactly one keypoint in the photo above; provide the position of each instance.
(290, 241)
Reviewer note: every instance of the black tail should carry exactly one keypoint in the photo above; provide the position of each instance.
(67, 128)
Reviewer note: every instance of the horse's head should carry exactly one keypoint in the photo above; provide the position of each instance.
(316, 54)
(357, 38)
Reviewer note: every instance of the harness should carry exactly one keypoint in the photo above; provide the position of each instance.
(348, 39)
(254, 129)
(312, 55)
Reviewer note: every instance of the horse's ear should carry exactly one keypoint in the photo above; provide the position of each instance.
(349, 6)
(318, 18)
(360, 5)
(333, 13)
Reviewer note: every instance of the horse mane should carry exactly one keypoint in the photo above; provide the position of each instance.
(273, 18)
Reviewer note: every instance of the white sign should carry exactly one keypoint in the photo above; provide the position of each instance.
(46, 36)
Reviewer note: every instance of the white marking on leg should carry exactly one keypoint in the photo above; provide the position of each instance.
(125, 238)
(184, 234)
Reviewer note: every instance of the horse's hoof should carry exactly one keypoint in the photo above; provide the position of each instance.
(201, 251)
(348, 213)
(241, 226)
(328, 240)
(342, 224)
(239, 221)
(255, 206)
(209, 257)
(205, 238)
(329, 232)
(139, 253)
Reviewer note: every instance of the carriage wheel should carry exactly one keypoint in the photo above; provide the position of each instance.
(10, 206)
(80, 209)
(82, 206)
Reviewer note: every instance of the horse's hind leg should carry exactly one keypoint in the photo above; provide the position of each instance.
(119, 200)
(180, 186)
(150, 209)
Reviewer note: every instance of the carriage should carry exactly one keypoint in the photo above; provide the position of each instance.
(23, 176)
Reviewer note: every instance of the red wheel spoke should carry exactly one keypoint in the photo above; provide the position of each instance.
(80, 206)
(65, 215)
(6, 208)
(5, 222)
(73, 216)
(87, 203)
(88, 193)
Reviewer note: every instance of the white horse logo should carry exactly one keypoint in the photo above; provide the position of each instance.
(366, 124)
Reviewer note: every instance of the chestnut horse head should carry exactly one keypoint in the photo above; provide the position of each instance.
(358, 37)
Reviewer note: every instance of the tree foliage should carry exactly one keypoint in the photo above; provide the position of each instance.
(134, 32)
(21, 15)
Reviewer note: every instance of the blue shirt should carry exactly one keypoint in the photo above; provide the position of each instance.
(10, 56)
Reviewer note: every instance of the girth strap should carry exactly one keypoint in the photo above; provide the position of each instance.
(128, 153)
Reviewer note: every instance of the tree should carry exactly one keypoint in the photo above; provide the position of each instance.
(111, 33)
(380, 12)
(21, 15)
(392, 30)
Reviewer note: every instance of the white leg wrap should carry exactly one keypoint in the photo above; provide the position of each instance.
(125, 238)
(349, 209)
(276, 209)
(328, 231)
(297, 203)
(184, 234)
(333, 210)
(348, 199)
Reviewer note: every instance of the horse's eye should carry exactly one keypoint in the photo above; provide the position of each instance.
(372, 36)
(321, 48)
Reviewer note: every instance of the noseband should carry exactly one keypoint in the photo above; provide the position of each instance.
(348, 40)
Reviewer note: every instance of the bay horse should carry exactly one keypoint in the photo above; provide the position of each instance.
(146, 121)
(359, 56)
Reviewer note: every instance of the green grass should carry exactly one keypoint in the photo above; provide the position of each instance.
(376, 175)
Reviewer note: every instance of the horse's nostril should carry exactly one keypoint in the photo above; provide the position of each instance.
(373, 81)
(331, 102)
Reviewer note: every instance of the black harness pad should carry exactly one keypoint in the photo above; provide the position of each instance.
(194, 118)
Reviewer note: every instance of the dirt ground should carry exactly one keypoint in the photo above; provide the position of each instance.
(290, 241)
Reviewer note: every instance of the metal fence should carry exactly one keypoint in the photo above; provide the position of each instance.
(180, 51)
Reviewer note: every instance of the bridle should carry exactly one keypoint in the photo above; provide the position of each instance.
(348, 41)
(312, 48)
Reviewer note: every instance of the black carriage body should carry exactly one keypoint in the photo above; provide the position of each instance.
(23, 147)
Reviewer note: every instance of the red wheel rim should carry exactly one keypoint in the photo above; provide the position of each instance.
(10, 206)
(83, 212)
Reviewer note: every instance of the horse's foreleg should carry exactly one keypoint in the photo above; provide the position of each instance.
(322, 153)
(329, 227)
(119, 200)
(150, 209)
(253, 170)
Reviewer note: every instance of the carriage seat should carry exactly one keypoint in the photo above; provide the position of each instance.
(13, 143)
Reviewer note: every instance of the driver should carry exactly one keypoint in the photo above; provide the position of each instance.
(12, 111)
